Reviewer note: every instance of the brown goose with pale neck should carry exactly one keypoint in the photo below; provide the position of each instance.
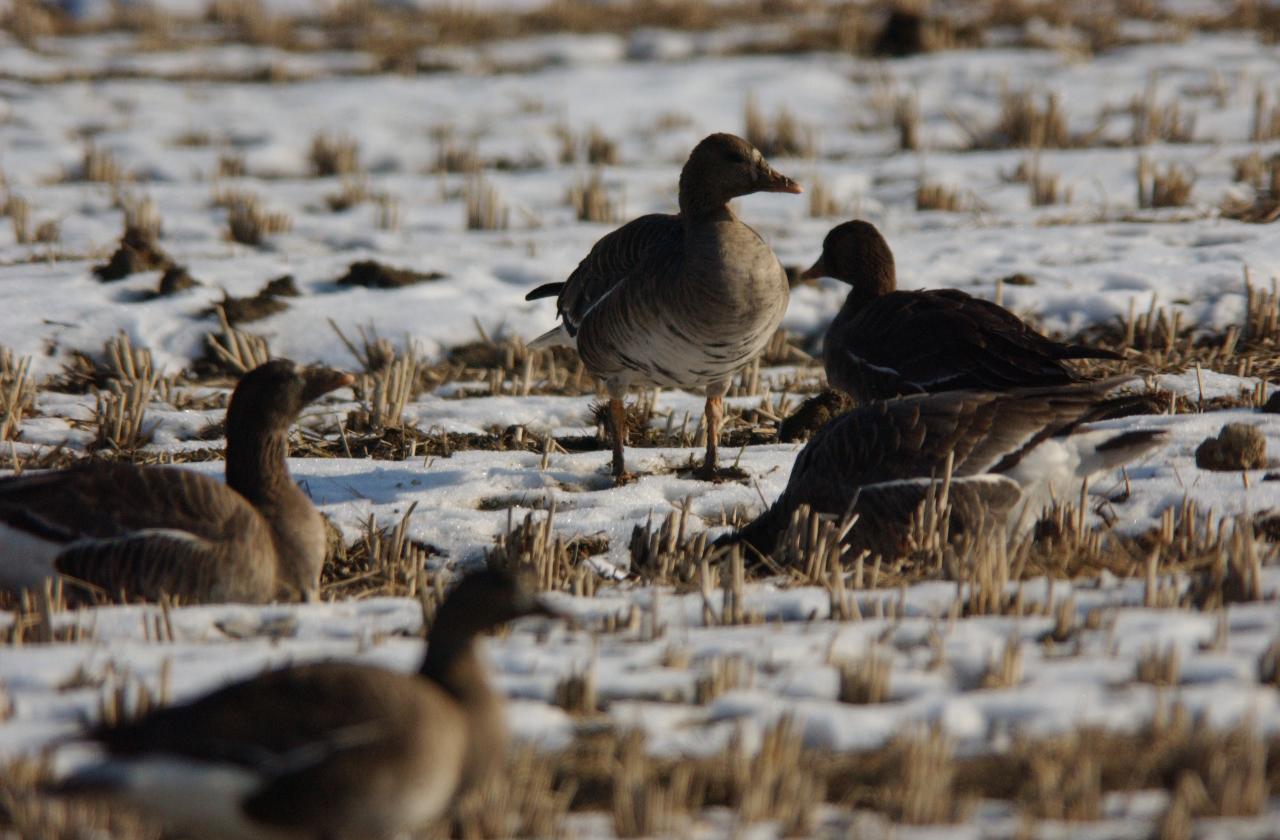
(143, 531)
(1012, 454)
(324, 750)
(678, 301)
(886, 343)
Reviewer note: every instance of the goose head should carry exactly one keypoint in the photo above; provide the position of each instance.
(856, 253)
(482, 601)
(269, 398)
(485, 600)
(723, 167)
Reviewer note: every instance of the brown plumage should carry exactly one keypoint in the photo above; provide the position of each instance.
(679, 301)
(886, 343)
(138, 532)
(1025, 446)
(324, 750)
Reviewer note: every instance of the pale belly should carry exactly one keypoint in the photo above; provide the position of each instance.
(676, 350)
(669, 360)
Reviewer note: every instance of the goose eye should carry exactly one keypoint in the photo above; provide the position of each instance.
(737, 157)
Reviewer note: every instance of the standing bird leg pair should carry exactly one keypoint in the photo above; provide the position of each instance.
(709, 471)
(618, 432)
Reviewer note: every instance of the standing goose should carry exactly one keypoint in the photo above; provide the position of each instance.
(143, 531)
(885, 343)
(1013, 451)
(324, 750)
(678, 301)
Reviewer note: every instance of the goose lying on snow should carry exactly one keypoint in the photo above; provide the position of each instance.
(884, 342)
(142, 531)
(1013, 451)
(324, 750)
(681, 301)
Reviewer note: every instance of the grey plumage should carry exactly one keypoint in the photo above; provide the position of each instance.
(137, 532)
(681, 301)
(1008, 450)
(324, 750)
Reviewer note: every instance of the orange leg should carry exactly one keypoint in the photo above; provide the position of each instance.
(618, 429)
(714, 416)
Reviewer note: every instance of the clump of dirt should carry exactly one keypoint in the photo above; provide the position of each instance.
(374, 275)
(903, 34)
(1272, 405)
(481, 354)
(138, 251)
(283, 286)
(242, 310)
(1018, 279)
(507, 354)
(1238, 446)
(812, 415)
(176, 278)
(908, 32)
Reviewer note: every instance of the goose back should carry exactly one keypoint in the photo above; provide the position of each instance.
(329, 749)
(941, 340)
(361, 752)
(885, 342)
(679, 300)
(144, 531)
(897, 447)
(618, 255)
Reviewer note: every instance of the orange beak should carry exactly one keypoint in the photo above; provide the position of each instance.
(777, 182)
(319, 381)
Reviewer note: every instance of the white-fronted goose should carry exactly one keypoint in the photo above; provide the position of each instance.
(138, 532)
(325, 750)
(1012, 451)
(679, 301)
(886, 343)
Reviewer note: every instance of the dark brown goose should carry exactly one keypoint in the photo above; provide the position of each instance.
(138, 532)
(678, 301)
(1012, 451)
(886, 343)
(324, 750)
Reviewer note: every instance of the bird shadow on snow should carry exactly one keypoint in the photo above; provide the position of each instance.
(379, 486)
(386, 485)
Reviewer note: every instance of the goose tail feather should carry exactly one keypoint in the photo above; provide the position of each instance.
(546, 290)
(557, 336)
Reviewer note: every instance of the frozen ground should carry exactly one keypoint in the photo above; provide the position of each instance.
(1093, 259)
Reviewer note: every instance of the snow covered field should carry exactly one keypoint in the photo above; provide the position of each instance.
(357, 163)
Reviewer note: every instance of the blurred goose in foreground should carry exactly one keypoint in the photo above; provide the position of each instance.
(142, 531)
(886, 343)
(680, 301)
(1013, 452)
(325, 750)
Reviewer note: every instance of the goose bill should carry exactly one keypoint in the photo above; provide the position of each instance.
(777, 182)
(813, 272)
(320, 381)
